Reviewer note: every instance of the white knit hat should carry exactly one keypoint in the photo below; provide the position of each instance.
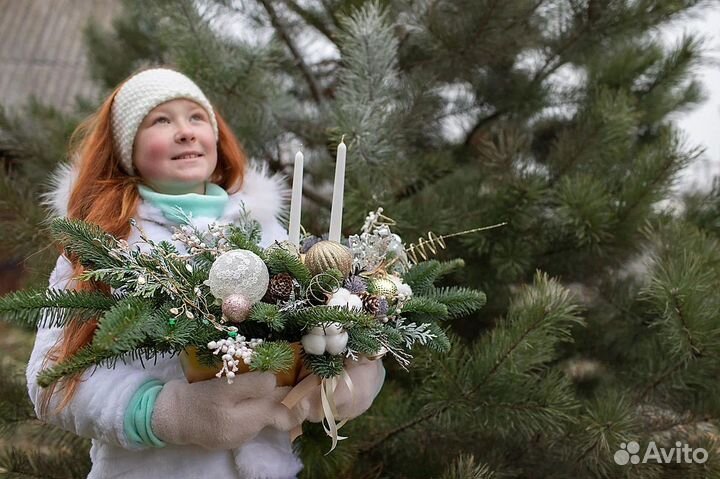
(140, 94)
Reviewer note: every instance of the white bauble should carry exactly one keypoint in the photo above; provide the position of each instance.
(238, 271)
(313, 344)
(336, 344)
(354, 302)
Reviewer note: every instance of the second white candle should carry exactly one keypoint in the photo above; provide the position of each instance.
(338, 193)
(296, 200)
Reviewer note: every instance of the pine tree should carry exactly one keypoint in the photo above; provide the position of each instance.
(553, 116)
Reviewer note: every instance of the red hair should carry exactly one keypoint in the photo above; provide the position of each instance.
(105, 195)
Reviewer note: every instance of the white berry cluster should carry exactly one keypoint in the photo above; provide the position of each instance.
(233, 351)
(197, 242)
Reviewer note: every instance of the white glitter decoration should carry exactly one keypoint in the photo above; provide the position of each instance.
(238, 271)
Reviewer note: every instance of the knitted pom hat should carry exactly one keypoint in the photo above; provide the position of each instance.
(140, 94)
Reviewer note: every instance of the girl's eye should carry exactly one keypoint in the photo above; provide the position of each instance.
(161, 119)
(197, 116)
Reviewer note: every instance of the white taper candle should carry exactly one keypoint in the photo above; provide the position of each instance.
(296, 200)
(338, 192)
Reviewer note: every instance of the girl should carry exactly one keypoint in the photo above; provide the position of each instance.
(154, 145)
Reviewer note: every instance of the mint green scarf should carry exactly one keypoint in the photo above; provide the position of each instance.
(210, 205)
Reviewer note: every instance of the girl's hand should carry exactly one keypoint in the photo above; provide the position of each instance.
(217, 415)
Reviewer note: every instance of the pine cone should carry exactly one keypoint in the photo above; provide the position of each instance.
(371, 303)
(280, 287)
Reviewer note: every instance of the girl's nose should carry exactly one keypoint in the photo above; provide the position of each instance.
(184, 134)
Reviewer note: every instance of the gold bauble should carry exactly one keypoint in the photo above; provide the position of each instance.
(382, 287)
(325, 255)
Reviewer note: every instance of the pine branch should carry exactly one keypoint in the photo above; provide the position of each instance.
(311, 18)
(54, 307)
(123, 327)
(282, 261)
(423, 308)
(85, 358)
(421, 276)
(459, 301)
(268, 314)
(324, 365)
(299, 60)
(86, 241)
(275, 356)
(309, 318)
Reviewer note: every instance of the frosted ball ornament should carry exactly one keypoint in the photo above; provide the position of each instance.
(238, 272)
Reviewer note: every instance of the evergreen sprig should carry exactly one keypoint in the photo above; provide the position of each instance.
(268, 314)
(274, 356)
(53, 307)
(281, 261)
(123, 327)
(240, 240)
(87, 241)
(324, 365)
(459, 301)
(425, 308)
(86, 357)
(308, 318)
(420, 277)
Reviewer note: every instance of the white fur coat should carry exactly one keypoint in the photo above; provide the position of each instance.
(98, 407)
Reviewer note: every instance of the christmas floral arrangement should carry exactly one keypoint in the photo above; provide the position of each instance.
(226, 305)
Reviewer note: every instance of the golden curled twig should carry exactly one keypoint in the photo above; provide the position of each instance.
(430, 246)
(316, 284)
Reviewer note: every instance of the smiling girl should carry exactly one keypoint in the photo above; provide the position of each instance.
(155, 144)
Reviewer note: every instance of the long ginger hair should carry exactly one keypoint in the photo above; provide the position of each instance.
(105, 195)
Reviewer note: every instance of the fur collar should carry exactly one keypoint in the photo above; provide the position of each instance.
(264, 196)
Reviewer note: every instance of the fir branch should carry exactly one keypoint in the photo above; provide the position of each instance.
(311, 317)
(90, 243)
(85, 358)
(363, 341)
(165, 332)
(459, 301)
(275, 356)
(281, 261)
(239, 240)
(425, 308)
(440, 342)
(267, 314)
(421, 276)
(123, 327)
(54, 307)
(324, 365)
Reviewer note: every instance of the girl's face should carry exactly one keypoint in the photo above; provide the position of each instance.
(175, 151)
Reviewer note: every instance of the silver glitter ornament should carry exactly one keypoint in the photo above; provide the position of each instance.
(236, 307)
(238, 271)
